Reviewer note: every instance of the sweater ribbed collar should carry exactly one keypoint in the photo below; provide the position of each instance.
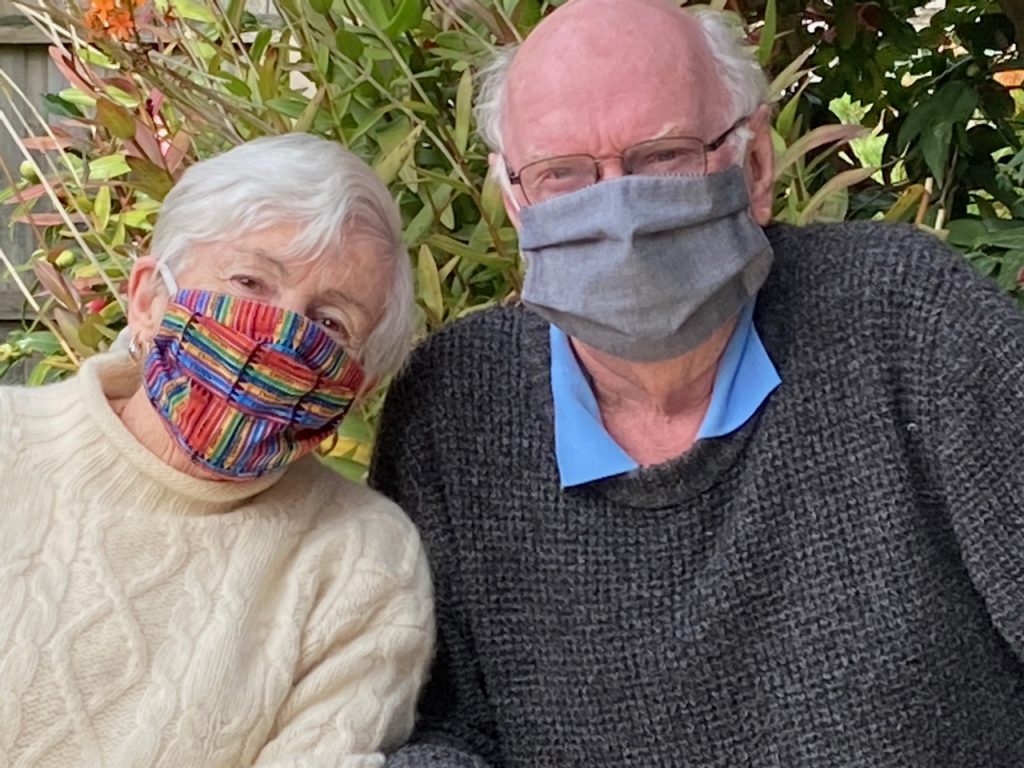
(111, 376)
(666, 485)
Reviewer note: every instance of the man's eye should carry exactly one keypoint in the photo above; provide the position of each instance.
(666, 155)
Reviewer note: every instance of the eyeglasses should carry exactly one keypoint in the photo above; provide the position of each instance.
(670, 156)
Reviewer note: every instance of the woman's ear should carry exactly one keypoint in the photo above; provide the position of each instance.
(147, 299)
(760, 165)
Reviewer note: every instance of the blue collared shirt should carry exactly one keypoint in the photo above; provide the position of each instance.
(583, 448)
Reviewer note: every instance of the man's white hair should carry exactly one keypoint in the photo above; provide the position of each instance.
(303, 180)
(741, 75)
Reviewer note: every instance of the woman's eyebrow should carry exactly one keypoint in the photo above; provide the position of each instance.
(346, 298)
(267, 260)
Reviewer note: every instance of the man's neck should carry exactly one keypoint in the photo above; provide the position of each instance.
(654, 410)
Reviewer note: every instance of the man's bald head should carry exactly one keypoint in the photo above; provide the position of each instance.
(605, 53)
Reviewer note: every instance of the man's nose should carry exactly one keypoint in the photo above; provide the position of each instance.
(611, 167)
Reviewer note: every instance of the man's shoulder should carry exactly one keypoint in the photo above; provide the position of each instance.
(867, 245)
(863, 264)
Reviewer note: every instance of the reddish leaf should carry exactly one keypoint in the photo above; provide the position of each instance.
(47, 144)
(177, 151)
(54, 282)
(49, 219)
(65, 63)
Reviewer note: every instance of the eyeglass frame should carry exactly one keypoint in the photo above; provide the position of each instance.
(515, 177)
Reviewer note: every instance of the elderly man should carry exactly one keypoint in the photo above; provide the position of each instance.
(721, 493)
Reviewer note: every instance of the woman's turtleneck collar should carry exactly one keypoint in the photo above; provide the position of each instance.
(113, 376)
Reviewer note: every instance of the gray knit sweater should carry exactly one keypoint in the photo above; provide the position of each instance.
(839, 583)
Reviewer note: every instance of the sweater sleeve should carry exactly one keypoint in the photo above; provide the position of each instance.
(454, 724)
(977, 399)
(370, 642)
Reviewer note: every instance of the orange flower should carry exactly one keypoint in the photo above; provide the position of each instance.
(94, 22)
(101, 9)
(112, 18)
(121, 25)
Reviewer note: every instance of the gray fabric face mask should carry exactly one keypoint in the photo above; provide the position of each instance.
(644, 268)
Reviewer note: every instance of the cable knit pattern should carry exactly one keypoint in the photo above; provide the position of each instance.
(153, 619)
(838, 583)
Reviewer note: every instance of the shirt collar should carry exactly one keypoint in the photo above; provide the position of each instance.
(586, 452)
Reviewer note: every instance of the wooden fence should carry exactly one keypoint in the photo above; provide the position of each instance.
(24, 59)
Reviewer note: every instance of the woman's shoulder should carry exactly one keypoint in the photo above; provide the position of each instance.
(26, 410)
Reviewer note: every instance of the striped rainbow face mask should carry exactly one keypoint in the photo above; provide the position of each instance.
(246, 388)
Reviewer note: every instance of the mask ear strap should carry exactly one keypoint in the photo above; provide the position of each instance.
(169, 281)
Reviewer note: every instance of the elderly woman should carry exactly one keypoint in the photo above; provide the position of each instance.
(182, 585)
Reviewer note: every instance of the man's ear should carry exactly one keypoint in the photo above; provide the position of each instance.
(760, 165)
(500, 172)
(147, 299)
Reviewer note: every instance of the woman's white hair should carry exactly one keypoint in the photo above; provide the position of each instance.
(740, 74)
(303, 180)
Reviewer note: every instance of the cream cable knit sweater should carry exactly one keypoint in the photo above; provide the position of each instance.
(148, 618)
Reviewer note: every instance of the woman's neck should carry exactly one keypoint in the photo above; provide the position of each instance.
(141, 419)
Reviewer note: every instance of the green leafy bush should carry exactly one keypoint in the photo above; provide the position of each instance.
(912, 132)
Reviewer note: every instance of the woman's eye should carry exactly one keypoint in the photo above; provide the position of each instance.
(248, 282)
(334, 327)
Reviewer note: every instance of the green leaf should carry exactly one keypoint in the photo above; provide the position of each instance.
(115, 118)
(767, 42)
(348, 468)
(259, 43)
(841, 181)
(58, 105)
(193, 10)
(470, 255)
(1008, 238)
(1010, 269)
(407, 17)
(121, 97)
(463, 110)
(429, 285)
(787, 115)
(305, 120)
(953, 103)
(291, 107)
(789, 75)
(77, 98)
(387, 168)
(323, 7)
(825, 134)
(935, 139)
(150, 178)
(964, 233)
(101, 208)
(906, 205)
(109, 167)
(348, 44)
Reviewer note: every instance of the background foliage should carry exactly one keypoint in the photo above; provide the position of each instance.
(877, 118)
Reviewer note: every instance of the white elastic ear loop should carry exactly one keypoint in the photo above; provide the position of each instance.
(169, 281)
